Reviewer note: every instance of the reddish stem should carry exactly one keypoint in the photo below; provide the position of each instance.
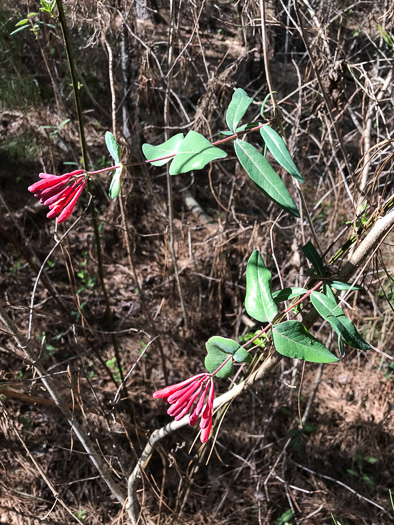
(231, 137)
(269, 325)
(103, 170)
(285, 312)
(221, 141)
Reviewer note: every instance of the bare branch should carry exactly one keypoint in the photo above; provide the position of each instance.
(31, 351)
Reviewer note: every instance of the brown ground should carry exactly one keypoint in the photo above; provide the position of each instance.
(262, 464)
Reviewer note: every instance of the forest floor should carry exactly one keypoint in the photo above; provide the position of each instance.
(262, 467)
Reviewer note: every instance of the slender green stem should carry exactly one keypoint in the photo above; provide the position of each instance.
(170, 200)
(74, 80)
(75, 84)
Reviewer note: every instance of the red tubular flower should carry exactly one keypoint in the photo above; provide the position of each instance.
(60, 193)
(189, 396)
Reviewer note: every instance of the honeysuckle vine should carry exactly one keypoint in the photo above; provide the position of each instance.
(195, 395)
(193, 399)
(60, 193)
(189, 395)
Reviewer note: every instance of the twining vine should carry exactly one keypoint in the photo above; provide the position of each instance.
(193, 398)
(291, 338)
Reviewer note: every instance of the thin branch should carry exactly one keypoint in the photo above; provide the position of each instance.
(84, 149)
(31, 351)
(170, 198)
(345, 487)
(132, 506)
(370, 243)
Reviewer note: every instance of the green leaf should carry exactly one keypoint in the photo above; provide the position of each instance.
(292, 339)
(264, 103)
(113, 147)
(368, 480)
(263, 175)
(219, 349)
(386, 36)
(334, 315)
(64, 123)
(329, 293)
(371, 460)
(237, 108)
(285, 517)
(242, 356)
(313, 257)
(194, 152)
(170, 147)
(257, 341)
(115, 183)
(341, 346)
(22, 22)
(241, 129)
(279, 151)
(288, 293)
(339, 285)
(19, 29)
(258, 301)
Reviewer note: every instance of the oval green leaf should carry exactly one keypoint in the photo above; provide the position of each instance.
(263, 175)
(241, 129)
(258, 301)
(313, 257)
(279, 151)
(170, 147)
(334, 315)
(194, 152)
(219, 349)
(113, 147)
(339, 285)
(22, 22)
(19, 29)
(326, 290)
(292, 339)
(114, 189)
(242, 356)
(237, 108)
(288, 293)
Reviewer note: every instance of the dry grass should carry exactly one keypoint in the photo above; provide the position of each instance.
(257, 469)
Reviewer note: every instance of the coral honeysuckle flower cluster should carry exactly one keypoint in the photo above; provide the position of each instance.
(60, 193)
(188, 397)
